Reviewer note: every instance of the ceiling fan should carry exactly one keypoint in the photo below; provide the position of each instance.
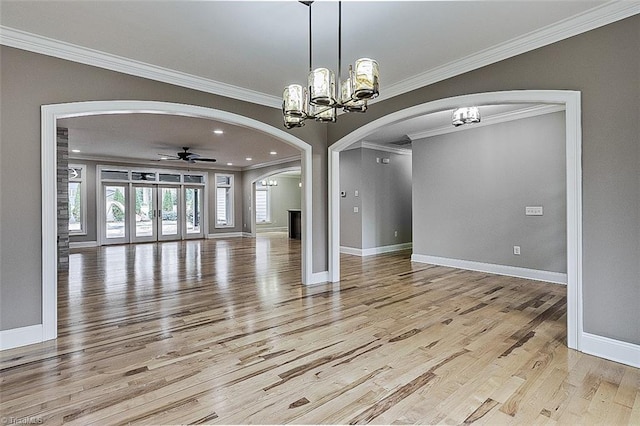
(185, 155)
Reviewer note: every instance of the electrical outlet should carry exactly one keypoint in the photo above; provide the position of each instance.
(516, 250)
(395, 233)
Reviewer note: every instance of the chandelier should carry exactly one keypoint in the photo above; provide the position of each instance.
(319, 99)
(466, 115)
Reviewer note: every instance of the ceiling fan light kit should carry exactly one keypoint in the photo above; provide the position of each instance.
(185, 155)
(320, 99)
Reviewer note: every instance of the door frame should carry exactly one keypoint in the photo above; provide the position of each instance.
(49, 116)
(573, 132)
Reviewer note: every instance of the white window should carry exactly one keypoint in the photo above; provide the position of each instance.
(77, 200)
(263, 202)
(224, 201)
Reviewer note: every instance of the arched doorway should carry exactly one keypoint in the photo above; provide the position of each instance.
(51, 113)
(257, 179)
(573, 126)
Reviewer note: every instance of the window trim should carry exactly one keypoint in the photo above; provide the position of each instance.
(230, 220)
(267, 190)
(83, 198)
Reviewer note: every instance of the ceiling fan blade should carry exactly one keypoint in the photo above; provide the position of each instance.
(211, 160)
(168, 156)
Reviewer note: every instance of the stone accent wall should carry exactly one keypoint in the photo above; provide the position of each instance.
(63, 198)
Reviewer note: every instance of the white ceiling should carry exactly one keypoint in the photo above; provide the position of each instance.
(255, 48)
(141, 137)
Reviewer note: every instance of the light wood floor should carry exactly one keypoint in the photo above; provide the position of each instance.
(221, 331)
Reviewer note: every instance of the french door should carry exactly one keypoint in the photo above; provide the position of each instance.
(193, 207)
(156, 214)
(115, 213)
(151, 212)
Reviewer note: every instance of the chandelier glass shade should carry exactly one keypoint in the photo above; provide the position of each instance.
(465, 115)
(323, 94)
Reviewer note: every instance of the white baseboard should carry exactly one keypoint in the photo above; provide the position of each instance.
(21, 336)
(319, 278)
(83, 244)
(274, 229)
(375, 250)
(226, 235)
(511, 271)
(247, 235)
(611, 349)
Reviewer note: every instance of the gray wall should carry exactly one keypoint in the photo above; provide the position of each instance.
(350, 181)
(471, 187)
(386, 207)
(604, 65)
(29, 80)
(384, 198)
(286, 195)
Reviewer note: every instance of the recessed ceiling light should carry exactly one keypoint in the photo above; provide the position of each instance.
(229, 164)
(164, 158)
(218, 132)
(273, 153)
(248, 158)
(75, 150)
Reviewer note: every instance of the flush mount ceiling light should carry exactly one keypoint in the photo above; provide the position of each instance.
(466, 115)
(319, 99)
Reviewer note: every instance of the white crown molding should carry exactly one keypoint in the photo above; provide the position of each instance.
(47, 46)
(153, 163)
(270, 163)
(491, 120)
(593, 18)
(385, 148)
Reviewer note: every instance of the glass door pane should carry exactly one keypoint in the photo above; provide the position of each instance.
(169, 213)
(144, 214)
(193, 212)
(115, 224)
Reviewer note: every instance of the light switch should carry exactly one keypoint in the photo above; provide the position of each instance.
(355, 209)
(356, 193)
(533, 211)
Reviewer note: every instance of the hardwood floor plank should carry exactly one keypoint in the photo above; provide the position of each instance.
(223, 332)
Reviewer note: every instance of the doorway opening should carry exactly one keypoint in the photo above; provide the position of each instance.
(571, 102)
(50, 115)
